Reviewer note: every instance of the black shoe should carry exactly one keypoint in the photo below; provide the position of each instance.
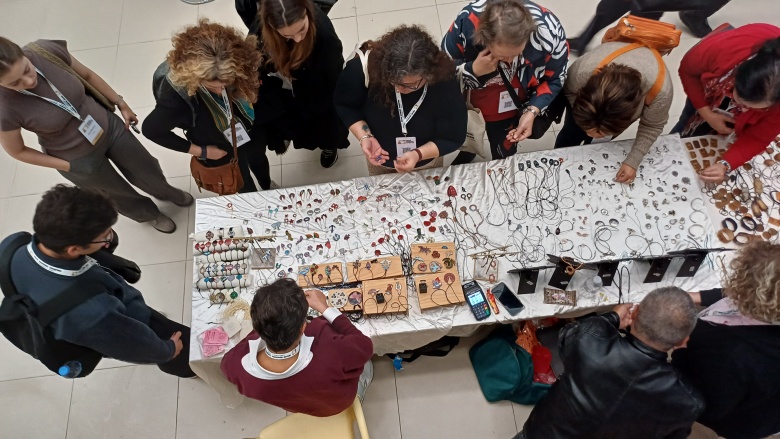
(328, 157)
(575, 47)
(697, 24)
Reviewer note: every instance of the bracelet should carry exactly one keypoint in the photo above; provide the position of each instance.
(367, 136)
(203, 153)
(726, 164)
(419, 154)
(533, 111)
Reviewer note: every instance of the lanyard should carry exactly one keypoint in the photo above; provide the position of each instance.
(63, 103)
(512, 68)
(227, 108)
(404, 117)
(61, 271)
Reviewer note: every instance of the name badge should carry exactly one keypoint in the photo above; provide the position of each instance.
(241, 135)
(604, 139)
(404, 145)
(505, 102)
(90, 129)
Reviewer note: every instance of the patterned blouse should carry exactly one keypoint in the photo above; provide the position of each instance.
(542, 66)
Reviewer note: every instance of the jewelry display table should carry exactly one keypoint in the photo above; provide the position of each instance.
(500, 215)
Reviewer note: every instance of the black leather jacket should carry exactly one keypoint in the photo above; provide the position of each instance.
(613, 387)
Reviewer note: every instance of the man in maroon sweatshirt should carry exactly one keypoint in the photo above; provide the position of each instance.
(310, 368)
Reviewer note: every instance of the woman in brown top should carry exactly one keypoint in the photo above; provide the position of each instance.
(77, 135)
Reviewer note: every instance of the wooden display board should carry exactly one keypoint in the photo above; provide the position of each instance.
(376, 268)
(433, 257)
(393, 299)
(316, 275)
(704, 151)
(346, 299)
(443, 289)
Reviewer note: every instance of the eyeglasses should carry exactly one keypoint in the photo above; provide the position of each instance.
(106, 242)
(412, 87)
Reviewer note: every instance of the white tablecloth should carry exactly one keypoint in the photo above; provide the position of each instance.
(534, 207)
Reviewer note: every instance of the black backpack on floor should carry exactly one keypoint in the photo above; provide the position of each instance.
(25, 324)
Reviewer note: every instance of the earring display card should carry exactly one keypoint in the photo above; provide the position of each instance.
(553, 296)
(438, 289)
(346, 299)
(376, 268)
(328, 273)
(263, 258)
(433, 257)
(385, 296)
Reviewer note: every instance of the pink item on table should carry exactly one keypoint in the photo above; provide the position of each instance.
(211, 350)
(215, 336)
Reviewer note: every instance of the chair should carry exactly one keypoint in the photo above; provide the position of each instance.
(299, 426)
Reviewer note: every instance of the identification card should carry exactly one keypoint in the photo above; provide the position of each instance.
(91, 130)
(604, 139)
(505, 102)
(404, 145)
(241, 135)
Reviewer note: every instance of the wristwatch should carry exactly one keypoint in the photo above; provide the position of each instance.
(533, 111)
(726, 164)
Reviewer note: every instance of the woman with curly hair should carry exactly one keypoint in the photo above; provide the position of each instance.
(211, 64)
(303, 61)
(400, 99)
(516, 40)
(733, 355)
(40, 92)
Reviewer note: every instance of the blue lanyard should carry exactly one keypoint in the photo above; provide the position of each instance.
(63, 103)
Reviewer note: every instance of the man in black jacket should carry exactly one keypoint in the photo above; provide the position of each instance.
(621, 386)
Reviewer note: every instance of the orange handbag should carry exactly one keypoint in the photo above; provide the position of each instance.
(654, 34)
(224, 179)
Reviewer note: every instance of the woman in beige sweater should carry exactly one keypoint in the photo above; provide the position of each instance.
(604, 102)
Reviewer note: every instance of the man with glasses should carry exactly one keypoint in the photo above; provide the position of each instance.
(70, 224)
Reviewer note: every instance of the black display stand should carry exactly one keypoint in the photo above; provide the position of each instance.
(658, 267)
(693, 259)
(560, 278)
(608, 268)
(528, 278)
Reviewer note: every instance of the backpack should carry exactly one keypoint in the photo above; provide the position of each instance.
(505, 370)
(654, 34)
(26, 325)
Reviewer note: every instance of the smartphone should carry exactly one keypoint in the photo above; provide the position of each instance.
(507, 298)
(135, 128)
(475, 298)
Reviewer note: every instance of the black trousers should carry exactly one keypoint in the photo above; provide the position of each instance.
(165, 328)
(571, 134)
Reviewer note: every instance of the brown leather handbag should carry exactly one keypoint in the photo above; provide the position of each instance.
(224, 179)
(657, 35)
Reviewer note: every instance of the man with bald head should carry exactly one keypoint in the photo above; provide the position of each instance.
(620, 385)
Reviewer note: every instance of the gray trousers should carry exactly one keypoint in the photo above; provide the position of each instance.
(139, 168)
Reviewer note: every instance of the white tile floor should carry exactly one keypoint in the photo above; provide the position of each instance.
(124, 40)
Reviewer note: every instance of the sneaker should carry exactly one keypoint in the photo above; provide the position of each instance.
(328, 157)
(698, 25)
(164, 224)
(188, 200)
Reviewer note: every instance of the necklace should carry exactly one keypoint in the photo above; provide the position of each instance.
(284, 356)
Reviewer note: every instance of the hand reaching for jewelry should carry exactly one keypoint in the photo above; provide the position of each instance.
(373, 151)
(524, 128)
(626, 174)
(714, 174)
(407, 162)
(316, 300)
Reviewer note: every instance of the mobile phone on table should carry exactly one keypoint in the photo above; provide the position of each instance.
(475, 298)
(508, 299)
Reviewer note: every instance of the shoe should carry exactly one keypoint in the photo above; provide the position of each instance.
(188, 200)
(575, 48)
(328, 157)
(698, 25)
(164, 224)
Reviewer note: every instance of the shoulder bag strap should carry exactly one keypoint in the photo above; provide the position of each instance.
(56, 60)
(510, 89)
(364, 62)
(659, 80)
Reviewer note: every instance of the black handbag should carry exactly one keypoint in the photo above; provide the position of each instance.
(552, 114)
(668, 5)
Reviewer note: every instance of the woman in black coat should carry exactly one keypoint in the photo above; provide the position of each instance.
(303, 61)
(733, 355)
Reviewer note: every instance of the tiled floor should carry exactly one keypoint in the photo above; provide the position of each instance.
(124, 40)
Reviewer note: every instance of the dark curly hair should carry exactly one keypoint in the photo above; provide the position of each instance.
(405, 50)
(609, 100)
(278, 313)
(213, 52)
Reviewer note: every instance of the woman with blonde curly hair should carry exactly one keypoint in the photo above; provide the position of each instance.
(211, 64)
(733, 356)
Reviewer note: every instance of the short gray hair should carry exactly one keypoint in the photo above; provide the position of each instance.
(666, 316)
